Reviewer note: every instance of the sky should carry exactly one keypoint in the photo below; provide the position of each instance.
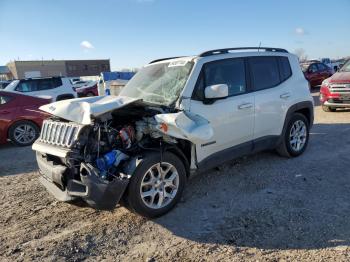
(133, 32)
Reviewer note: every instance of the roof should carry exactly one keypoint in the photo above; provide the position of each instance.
(4, 70)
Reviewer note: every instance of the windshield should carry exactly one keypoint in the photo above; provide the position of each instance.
(11, 86)
(346, 67)
(159, 83)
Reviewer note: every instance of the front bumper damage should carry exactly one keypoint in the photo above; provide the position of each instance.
(98, 193)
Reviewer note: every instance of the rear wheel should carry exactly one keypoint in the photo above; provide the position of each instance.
(328, 109)
(156, 187)
(23, 133)
(296, 137)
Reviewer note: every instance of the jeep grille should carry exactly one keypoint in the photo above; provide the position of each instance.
(59, 133)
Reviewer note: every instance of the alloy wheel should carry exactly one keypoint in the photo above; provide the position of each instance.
(24, 134)
(159, 185)
(298, 135)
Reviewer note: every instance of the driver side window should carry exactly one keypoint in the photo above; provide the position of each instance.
(229, 71)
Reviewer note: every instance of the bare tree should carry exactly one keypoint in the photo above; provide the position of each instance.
(300, 53)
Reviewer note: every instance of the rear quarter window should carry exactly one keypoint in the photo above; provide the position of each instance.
(285, 69)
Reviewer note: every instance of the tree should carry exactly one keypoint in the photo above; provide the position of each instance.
(300, 53)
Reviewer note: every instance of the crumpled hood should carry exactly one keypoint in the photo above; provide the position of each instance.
(81, 110)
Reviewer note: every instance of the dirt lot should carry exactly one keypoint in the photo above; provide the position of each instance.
(262, 207)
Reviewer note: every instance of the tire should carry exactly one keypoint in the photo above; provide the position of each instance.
(328, 109)
(146, 204)
(287, 148)
(29, 130)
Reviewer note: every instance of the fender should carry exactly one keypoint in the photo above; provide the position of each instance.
(295, 108)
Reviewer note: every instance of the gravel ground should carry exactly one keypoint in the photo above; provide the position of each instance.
(258, 208)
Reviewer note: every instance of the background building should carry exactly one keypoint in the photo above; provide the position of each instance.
(5, 73)
(70, 68)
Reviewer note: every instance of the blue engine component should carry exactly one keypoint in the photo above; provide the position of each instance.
(110, 159)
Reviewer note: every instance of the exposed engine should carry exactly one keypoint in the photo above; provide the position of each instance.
(109, 144)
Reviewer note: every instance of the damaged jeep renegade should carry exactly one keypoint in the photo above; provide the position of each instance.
(176, 117)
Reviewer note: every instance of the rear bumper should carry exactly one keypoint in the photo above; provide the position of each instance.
(98, 193)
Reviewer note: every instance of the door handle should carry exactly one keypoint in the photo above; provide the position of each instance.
(285, 95)
(4, 112)
(245, 106)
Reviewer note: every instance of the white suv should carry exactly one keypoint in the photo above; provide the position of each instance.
(58, 88)
(177, 116)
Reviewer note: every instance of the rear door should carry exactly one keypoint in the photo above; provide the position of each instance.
(270, 75)
(231, 118)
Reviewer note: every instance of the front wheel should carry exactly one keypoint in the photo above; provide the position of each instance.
(23, 133)
(156, 187)
(296, 137)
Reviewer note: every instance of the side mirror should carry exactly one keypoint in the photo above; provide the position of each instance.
(216, 91)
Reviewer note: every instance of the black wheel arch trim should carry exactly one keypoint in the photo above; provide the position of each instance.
(295, 108)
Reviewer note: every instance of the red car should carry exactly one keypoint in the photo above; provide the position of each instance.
(335, 91)
(20, 118)
(89, 90)
(316, 72)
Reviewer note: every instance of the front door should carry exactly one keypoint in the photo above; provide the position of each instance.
(231, 118)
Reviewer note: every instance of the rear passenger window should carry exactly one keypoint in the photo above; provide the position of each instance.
(45, 84)
(229, 71)
(285, 69)
(265, 73)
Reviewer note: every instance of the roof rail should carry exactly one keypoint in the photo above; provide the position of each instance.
(227, 50)
(162, 59)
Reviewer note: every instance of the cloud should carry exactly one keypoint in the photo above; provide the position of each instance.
(86, 45)
(300, 31)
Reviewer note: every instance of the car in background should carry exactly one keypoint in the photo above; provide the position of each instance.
(58, 88)
(335, 91)
(89, 89)
(4, 84)
(331, 64)
(20, 118)
(80, 83)
(316, 72)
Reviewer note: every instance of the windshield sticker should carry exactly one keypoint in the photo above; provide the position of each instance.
(178, 63)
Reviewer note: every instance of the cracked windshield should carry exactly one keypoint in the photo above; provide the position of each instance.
(159, 83)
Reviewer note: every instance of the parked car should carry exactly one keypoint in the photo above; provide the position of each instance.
(89, 89)
(175, 117)
(20, 118)
(80, 83)
(331, 64)
(316, 72)
(58, 88)
(4, 84)
(335, 91)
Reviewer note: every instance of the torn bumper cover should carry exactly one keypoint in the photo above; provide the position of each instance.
(98, 193)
